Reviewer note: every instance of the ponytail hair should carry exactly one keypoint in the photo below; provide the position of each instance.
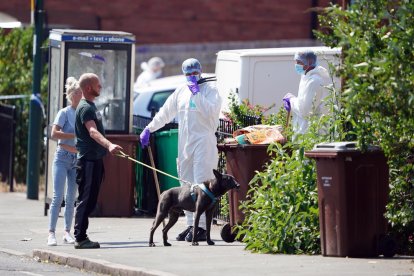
(71, 86)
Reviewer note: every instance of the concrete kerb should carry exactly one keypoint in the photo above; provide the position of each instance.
(95, 265)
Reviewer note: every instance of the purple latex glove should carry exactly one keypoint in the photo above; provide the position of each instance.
(144, 137)
(286, 101)
(192, 84)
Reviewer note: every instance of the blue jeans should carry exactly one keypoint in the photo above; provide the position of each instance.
(63, 171)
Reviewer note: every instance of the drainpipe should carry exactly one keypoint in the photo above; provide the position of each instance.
(314, 18)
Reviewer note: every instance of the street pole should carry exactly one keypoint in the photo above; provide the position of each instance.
(32, 12)
(35, 114)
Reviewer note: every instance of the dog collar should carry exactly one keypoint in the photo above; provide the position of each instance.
(205, 190)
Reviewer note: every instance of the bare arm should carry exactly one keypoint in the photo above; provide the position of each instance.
(57, 133)
(100, 139)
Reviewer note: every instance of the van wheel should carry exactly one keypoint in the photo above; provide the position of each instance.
(227, 234)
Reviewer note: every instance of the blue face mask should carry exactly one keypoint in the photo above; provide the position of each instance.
(193, 78)
(299, 69)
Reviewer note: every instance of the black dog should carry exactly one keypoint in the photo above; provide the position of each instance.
(193, 198)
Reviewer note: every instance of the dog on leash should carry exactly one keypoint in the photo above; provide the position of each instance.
(198, 198)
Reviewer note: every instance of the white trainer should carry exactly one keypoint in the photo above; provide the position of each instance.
(68, 239)
(51, 240)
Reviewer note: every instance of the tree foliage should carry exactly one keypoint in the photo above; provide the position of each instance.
(281, 211)
(378, 68)
(16, 69)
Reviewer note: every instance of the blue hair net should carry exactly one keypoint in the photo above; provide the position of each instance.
(191, 65)
(308, 58)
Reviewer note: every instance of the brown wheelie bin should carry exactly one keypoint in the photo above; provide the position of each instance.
(352, 195)
(242, 160)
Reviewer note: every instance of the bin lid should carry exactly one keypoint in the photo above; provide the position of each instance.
(173, 131)
(224, 147)
(336, 146)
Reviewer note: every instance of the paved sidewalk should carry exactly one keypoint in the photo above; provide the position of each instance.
(124, 249)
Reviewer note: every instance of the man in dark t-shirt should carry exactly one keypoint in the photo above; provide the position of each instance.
(87, 147)
(92, 147)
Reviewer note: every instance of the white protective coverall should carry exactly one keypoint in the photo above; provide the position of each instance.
(198, 118)
(151, 71)
(312, 90)
(144, 78)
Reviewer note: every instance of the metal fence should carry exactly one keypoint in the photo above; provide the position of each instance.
(226, 129)
(7, 135)
(140, 122)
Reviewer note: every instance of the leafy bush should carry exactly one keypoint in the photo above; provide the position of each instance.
(281, 212)
(238, 112)
(376, 39)
(16, 69)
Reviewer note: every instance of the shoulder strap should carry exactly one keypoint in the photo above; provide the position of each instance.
(203, 80)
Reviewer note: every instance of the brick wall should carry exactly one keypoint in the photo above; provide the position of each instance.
(178, 21)
(175, 29)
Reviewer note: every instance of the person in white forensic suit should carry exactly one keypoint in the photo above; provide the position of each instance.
(311, 94)
(151, 71)
(197, 107)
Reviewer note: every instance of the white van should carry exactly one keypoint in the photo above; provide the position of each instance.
(264, 76)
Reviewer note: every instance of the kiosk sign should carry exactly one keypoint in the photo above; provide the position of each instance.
(92, 38)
